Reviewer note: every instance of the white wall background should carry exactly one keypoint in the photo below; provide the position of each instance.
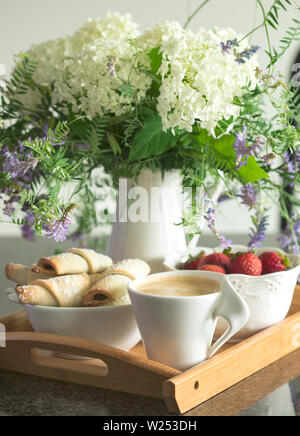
(23, 22)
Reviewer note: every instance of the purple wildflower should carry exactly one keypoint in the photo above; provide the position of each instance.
(225, 243)
(289, 167)
(111, 66)
(224, 197)
(258, 144)
(242, 151)
(269, 158)
(58, 229)
(297, 158)
(289, 240)
(14, 163)
(240, 147)
(28, 232)
(287, 243)
(247, 54)
(229, 45)
(210, 217)
(248, 196)
(55, 142)
(258, 234)
(20, 168)
(269, 79)
(9, 208)
(297, 228)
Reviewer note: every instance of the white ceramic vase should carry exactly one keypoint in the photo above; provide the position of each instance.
(145, 224)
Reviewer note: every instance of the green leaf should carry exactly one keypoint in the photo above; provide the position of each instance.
(127, 90)
(93, 139)
(252, 172)
(218, 152)
(273, 18)
(271, 24)
(151, 140)
(281, 4)
(114, 144)
(156, 59)
(223, 145)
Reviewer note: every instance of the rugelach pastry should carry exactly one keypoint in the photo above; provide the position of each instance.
(21, 274)
(74, 261)
(112, 288)
(63, 291)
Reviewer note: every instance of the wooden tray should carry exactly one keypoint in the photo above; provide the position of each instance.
(237, 376)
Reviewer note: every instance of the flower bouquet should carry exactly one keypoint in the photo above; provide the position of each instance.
(114, 98)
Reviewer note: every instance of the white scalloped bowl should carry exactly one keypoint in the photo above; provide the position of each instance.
(110, 325)
(269, 297)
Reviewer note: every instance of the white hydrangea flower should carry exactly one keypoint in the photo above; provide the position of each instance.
(76, 68)
(199, 79)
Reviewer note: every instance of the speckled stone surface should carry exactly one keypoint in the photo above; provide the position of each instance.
(24, 395)
(295, 388)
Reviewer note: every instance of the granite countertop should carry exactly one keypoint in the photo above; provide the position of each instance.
(28, 395)
(24, 395)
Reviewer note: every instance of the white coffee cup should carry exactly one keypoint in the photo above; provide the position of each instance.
(178, 331)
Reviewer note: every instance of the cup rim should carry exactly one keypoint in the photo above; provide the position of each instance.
(222, 279)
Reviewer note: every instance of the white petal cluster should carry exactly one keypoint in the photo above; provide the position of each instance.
(199, 79)
(75, 68)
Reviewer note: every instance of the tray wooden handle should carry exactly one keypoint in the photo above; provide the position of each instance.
(59, 361)
(108, 367)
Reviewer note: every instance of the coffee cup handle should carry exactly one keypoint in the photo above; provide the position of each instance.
(236, 312)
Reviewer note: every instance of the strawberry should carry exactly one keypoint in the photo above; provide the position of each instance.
(247, 264)
(217, 259)
(272, 262)
(213, 268)
(194, 262)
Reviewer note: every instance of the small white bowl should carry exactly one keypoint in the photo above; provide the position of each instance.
(269, 297)
(111, 325)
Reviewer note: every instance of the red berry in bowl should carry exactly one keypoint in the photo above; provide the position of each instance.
(272, 262)
(213, 268)
(247, 264)
(193, 264)
(217, 259)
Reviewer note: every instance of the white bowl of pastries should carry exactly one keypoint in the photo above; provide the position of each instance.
(79, 293)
